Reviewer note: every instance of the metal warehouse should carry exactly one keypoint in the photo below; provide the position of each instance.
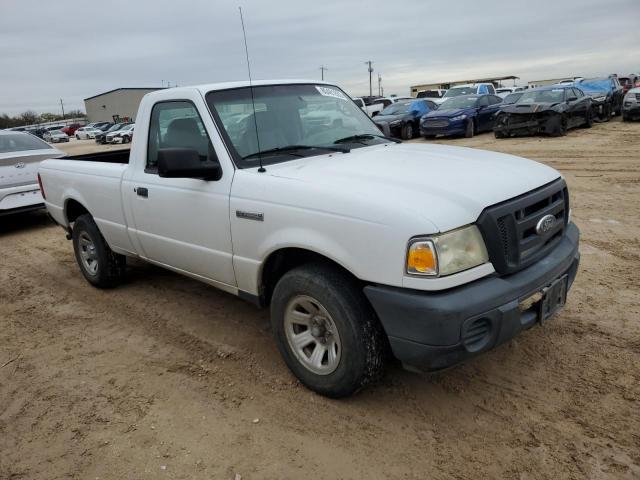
(116, 105)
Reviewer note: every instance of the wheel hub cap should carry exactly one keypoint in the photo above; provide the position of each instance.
(312, 335)
(88, 253)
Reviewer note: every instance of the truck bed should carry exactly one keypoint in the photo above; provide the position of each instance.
(111, 156)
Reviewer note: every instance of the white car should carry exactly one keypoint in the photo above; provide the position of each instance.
(124, 135)
(469, 89)
(55, 136)
(357, 243)
(86, 133)
(20, 155)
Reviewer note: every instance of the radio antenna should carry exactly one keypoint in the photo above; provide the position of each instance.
(253, 102)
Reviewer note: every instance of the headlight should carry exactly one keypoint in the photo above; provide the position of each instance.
(395, 123)
(600, 99)
(459, 117)
(447, 253)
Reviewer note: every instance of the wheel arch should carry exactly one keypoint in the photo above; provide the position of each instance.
(73, 209)
(280, 261)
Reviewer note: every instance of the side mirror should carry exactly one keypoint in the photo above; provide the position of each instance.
(374, 114)
(186, 163)
(572, 99)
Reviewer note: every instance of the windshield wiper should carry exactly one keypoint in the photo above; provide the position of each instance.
(365, 136)
(290, 149)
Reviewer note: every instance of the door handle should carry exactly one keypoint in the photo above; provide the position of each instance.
(141, 191)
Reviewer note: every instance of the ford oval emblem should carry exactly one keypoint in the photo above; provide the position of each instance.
(20, 165)
(545, 224)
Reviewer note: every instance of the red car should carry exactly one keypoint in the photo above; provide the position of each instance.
(71, 129)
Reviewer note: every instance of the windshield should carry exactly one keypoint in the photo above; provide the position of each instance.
(554, 95)
(457, 91)
(287, 115)
(457, 103)
(396, 108)
(512, 98)
(19, 142)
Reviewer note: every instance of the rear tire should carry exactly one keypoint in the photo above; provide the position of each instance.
(310, 301)
(98, 263)
(468, 133)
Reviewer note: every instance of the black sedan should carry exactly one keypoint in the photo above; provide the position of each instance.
(548, 110)
(403, 117)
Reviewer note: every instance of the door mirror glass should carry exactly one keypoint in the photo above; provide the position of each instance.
(186, 163)
(572, 99)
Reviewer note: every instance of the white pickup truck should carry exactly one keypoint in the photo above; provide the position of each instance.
(360, 245)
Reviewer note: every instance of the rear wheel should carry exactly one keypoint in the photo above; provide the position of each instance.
(77, 137)
(98, 263)
(470, 129)
(326, 331)
(125, 139)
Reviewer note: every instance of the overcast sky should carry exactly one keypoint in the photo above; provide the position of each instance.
(72, 50)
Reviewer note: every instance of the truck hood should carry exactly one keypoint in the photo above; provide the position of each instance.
(442, 187)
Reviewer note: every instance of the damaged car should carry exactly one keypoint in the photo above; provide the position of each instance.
(403, 117)
(631, 105)
(545, 110)
(606, 93)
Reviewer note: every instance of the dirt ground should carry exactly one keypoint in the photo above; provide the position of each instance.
(165, 377)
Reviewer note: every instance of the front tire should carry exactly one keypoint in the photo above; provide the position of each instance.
(588, 119)
(98, 263)
(468, 133)
(326, 331)
(407, 131)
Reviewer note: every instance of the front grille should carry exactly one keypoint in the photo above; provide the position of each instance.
(436, 123)
(509, 228)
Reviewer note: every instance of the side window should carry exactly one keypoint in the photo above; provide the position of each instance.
(495, 100)
(177, 124)
(483, 89)
(483, 102)
(578, 92)
(491, 89)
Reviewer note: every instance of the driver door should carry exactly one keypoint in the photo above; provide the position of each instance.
(181, 223)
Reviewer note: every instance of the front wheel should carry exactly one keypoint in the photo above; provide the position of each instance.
(77, 137)
(407, 131)
(468, 133)
(98, 263)
(588, 119)
(326, 331)
(500, 134)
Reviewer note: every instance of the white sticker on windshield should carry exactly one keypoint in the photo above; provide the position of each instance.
(331, 92)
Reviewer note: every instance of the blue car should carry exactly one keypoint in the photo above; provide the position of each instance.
(464, 115)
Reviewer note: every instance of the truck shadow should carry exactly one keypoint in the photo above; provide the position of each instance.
(24, 222)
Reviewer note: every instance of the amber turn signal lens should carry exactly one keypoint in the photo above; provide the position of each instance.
(422, 259)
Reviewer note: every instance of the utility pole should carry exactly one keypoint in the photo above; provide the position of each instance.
(322, 69)
(62, 105)
(379, 85)
(369, 62)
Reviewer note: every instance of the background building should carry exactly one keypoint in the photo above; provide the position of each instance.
(549, 81)
(116, 105)
(497, 81)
